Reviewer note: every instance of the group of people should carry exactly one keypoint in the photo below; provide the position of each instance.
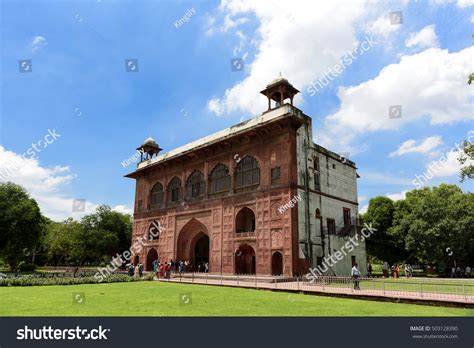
(132, 268)
(164, 269)
(394, 270)
(460, 272)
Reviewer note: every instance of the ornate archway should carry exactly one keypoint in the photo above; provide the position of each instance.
(193, 244)
(150, 257)
(245, 262)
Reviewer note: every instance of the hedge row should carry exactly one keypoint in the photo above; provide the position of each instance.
(29, 280)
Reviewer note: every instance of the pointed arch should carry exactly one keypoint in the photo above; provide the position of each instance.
(156, 195)
(219, 179)
(174, 190)
(195, 184)
(247, 173)
(245, 220)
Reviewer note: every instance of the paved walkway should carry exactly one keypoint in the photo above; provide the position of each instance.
(298, 286)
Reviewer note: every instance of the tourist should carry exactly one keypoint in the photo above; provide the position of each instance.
(206, 267)
(468, 271)
(131, 270)
(199, 267)
(155, 266)
(369, 271)
(408, 270)
(173, 265)
(168, 270)
(162, 271)
(140, 269)
(385, 269)
(397, 271)
(458, 272)
(355, 274)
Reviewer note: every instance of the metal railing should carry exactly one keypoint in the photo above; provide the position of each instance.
(446, 290)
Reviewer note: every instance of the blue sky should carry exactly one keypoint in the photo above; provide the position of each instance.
(185, 89)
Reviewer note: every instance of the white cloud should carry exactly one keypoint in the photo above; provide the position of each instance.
(410, 146)
(426, 85)
(382, 26)
(426, 37)
(122, 209)
(465, 3)
(445, 166)
(38, 42)
(45, 185)
(287, 43)
(397, 196)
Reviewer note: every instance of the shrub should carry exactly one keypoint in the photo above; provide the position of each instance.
(26, 267)
(33, 280)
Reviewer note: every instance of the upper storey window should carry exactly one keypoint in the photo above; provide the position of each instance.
(156, 195)
(174, 190)
(247, 172)
(219, 180)
(195, 184)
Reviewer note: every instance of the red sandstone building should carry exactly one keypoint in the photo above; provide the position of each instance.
(258, 197)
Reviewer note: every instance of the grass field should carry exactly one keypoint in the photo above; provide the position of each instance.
(426, 285)
(153, 298)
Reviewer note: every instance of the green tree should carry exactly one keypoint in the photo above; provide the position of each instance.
(21, 224)
(382, 244)
(103, 234)
(436, 224)
(61, 242)
(467, 155)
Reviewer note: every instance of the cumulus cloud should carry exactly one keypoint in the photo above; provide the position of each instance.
(430, 84)
(382, 26)
(397, 196)
(287, 43)
(411, 146)
(45, 185)
(465, 3)
(426, 37)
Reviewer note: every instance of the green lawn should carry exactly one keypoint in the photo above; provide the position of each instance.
(151, 298)
(425, 285)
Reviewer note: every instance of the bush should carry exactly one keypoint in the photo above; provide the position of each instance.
(26, 267)
(32, 280)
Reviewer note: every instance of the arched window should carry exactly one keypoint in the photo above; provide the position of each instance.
(245, 221)
(219, 180)
(247, 172)
(156, 195)
(195, 184)
(174, 190)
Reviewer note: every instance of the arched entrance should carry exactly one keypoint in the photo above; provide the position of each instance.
(277, 263)
(201, 251)
(193, 244)
(245, 260)
(150, 257)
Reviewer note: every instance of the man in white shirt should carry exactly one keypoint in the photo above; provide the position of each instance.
(355, 274)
